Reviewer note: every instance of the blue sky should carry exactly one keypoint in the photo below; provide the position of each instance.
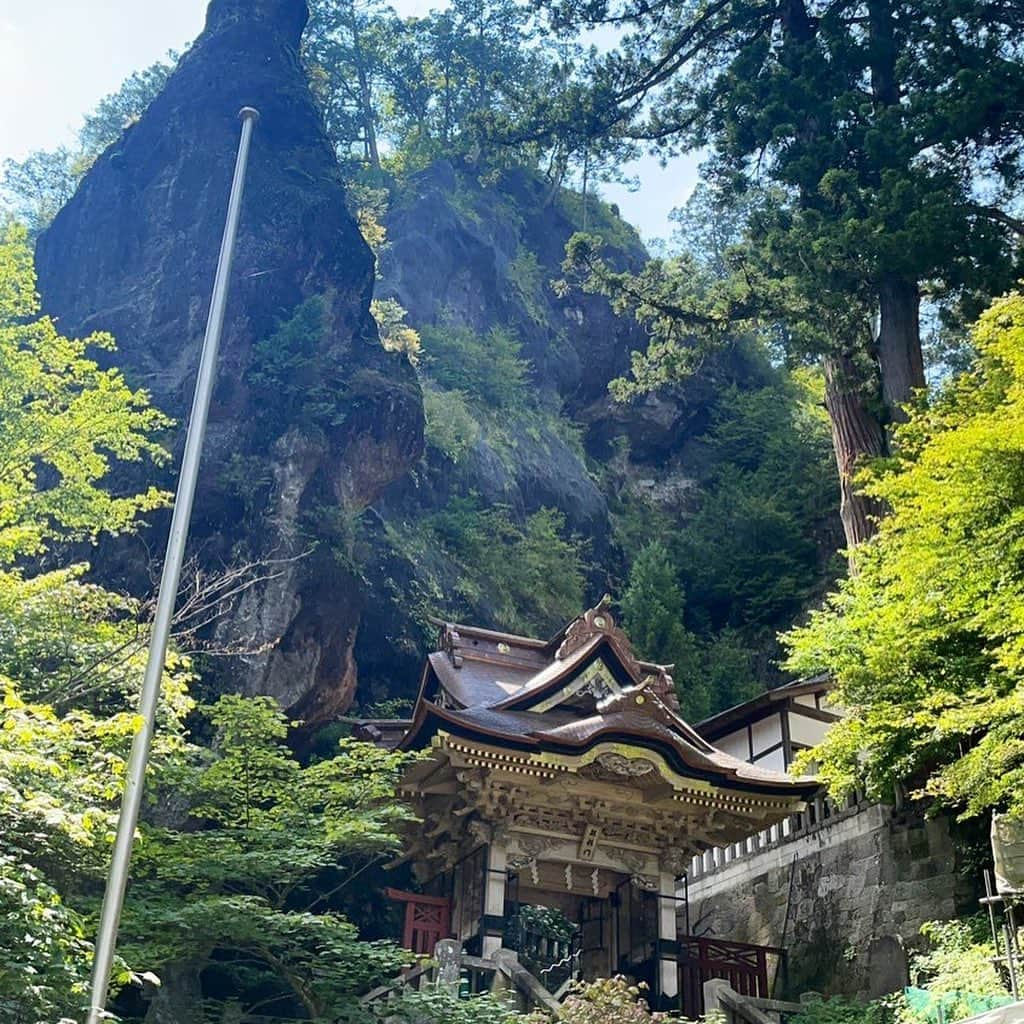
(59, 57)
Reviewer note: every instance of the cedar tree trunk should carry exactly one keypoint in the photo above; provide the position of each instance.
(857, 436)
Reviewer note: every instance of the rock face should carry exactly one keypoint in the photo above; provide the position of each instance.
(476, 256)
(311, 419)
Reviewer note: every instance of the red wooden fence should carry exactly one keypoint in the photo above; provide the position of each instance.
(427, 920)
(743, 965)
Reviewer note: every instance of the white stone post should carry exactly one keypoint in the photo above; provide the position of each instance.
(668, 939)
(494, 898)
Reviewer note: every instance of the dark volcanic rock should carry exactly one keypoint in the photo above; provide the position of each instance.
(134, 253)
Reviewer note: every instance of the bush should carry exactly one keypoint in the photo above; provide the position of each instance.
(846, 1011)
(488, 369)
(528, 576)
(289, 373)
(450, 427)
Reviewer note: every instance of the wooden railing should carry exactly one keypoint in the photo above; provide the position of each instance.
(821, 813)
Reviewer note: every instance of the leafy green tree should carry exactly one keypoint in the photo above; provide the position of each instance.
(121, 109)
(59, 781)
(400, 93)
(250, 893)
(64, 424)
(887, 137)
(523, 576)
(652, 616)
(346, 49)
(37, 187)
(750, 550)
(925, 639)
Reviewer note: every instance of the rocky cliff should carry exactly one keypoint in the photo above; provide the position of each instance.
(495, 481)
(312, 419)
(472, 257)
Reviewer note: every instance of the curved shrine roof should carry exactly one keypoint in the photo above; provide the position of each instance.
(582, 688)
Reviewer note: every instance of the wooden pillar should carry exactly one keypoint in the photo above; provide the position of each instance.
(494, 898)
(668, 939)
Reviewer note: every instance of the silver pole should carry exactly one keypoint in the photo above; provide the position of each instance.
(117, 880)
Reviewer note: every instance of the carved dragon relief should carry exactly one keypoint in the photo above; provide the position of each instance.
(631, 767)
(633, 860)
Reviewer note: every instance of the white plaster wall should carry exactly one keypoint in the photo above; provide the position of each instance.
(808, 731)
(767, 733)
(735, 743)
(776, 760)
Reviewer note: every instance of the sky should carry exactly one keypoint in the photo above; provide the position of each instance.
(58, 58)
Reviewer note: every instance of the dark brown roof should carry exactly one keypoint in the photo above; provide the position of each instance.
(492, 686)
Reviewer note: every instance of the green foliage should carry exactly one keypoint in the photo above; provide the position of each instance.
(402, 93)
(740, 557)
(395, 334)
(450, 427)
(925, 639)
(955, 976)
(591, 214)
(289, 366)
(838, 1010)
(525, 577)
(435, 1006)
(64, 423)
(548, 922)
(652, 609)
(750, 551)
(959, 958)
(867, 185)
(44, 971)
(488, 368)
(254, 890)
(525, 273)
(60, 777)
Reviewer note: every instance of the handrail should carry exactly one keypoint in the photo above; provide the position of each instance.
(508, 963)
(402, 981)
(505, 962)
(719, 995)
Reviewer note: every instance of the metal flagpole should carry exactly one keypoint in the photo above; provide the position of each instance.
(117, 880)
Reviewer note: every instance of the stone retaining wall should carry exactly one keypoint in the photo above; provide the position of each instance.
(843, 899)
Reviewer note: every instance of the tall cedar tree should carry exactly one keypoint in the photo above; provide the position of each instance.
(888, 135)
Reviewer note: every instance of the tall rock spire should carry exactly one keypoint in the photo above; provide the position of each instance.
(286, 17)
(310, 422)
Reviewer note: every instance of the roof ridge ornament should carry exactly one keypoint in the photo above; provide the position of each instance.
(450, 644)
(594, 622)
